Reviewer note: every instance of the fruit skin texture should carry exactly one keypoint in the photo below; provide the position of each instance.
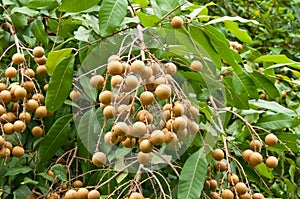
(232, 178)
(218, 154)
(255, 159)
(41, 112)
(177, 22)
(74, 96)
(246, 154)
(105, 97)
(37, 131)
(38, 52)
(214, 195)
(18, 58)
(227, 194)
(146, 146)
(83, 193)
(97, 81)
(18, 151)
(136, 195)
(257, 196)
(99, 159)
(71, 194)
(272, 162)
(94, 194)
(10, 72)
(245, 196)
(241, 188)
(271, 139)
(196, 66)
(143, 158)
(77, 184)
(255, 145)
(213, 184)
(137, 66)
(147, 98)
(221, 166)
(163, 91)
(115, 68)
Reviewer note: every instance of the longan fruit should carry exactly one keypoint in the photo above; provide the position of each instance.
(77, 184)
(40, 60)
(116, 80)
(115, 68)
(255, 145)
(38, 52)
(71, 194)
(94, 194)
(213, 184)
(129, 142)
(10, 72)
(136, 195)
(272, 162)
(2, 141)
(99, 159)
(18, 58)
(75, 95)
(283, 94)
(110, 138)
(255, 159)
(177, 22)
(37, 131)
(246, 154)
(155, 67)
(19, 126)
(20, 92)
(178, 109)
(97, 81)
(193, 127)
(271, 139)
(214, 195)
(143, 158)
(160, 80)
(241, 188)
(105, 97)
(196, 66)
(41, 112)
(157, 137)
(4, 152)
(25, 116)
(146, 98)
(227, 194)
(170, 68)
(5, 96)
(179, 124)
(120, 128)
(29, 72)
(18, 151)
(8, 145)
(15, 107)
(147, 73)
(31, 196)
(83, 193)
(232, 178)
(137, 67)
(245, 196)
(31, 105)
(46, 86)
(257, 196)
(113, 58)
(29, 86)
(39, 97)
(8, 128)
(109, 112)
(146, 146)
(221, 166)
(206, 185)
(41, 70)
(218, 154)
(145, 116)
(194, 111)
(131, 82)
(3, 87)
(163, 91)
(64, 186)
(138, 129)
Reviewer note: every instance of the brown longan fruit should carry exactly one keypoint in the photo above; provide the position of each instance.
(120, 128)
(20, 92)
(179, 124)
(218, 154)
(131, 82)
(157, 137)
(37, 131)
(146, 146)
(99, 159)
(221, 166)
(257, 196)
(196, 66)
(178, 109)
(31, 105)
(255, 159)
(75, 95)
(94, 194)
(246, 154)
(41, 70)
(116, 80)
(29, 72)
(145, 116)
(5, 96)
(39, 97)
(193, 127)
(109, 112)
(272, 162)
(4, 152)
(146, 98)
(25, 116)
(83, 193)
(8, 128)
(71, 194)
(213, 184)
(136, 195)
(147, 73)
(137, 67)
(245, 196)
(18, 151)
(18, 58)
(271, 139)
(163, 91)
(8, 145)
(10, 72)
(138, 129)
(29, 86)
(41, 112)
(143, 158)
(105, 97)
(227, 194)
(129, 142)
(64, 186)
(283, 94)
(255, 145)
(194, 111)
(2, 109)
(31, 196)
(2, 141)
(155, 67)
(19, 126)
(177, 22)
(113, 58)
(110, 138)
(240, 188)
(38, 52)
(97, 81)
(214, 195)
(115, 68)
(40, 60)
(46, 86)
(77, 184)
(170, 68)
(232, 178)
(3, 87)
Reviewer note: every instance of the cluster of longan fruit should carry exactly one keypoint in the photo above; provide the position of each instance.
(253, 156)
(235, 46)
(7, 149)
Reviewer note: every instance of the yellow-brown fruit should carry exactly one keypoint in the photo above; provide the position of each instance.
(51, 173)
(232, 178)
(99, 159)
(177, 22)
(255, 159)
(53, 196)
(136, 195)
(257, 196)
(170, 68)
(2, 141)
(146, 146)
(40, 60)
(214, 195)
(213, 184)
(120, 128)
(245, 196)
(10, 72)
(272, 162)
(146, 98)
(8, 145)
(41, 112)
(227, 194)
(218, 154)
(194, 111)
(155, 67)
(196, 66)
(75, 95)
(15, 107)
(32, 105)
(20, 92)
(83, 193)
(5, 96)
(39, 97)
(71, 194)
(29, 72)
(157, 137)
(97, 81)
(105, 97)
(145, 116)
(163, 91)
(131, 82)
(2, 109)
(77, 184)
(46, 87)
(29, 86)
(18, 58)
(193, 128)
(116, 80)
(283, 94)
(37, 131)
(110, 138)
(240, 188)
(64, 186)
(18, 151)
(221, 166)
(137, 67)
(38, 52)
(94, 194)
(147, 73)
(206, 185)
(178, 109)
(129, 142)
(19, 126)
(143, 158)
(255, 145)
(4, 152)
(109, 112)
(138, 129)
(41, 70)
(3, 87)
(115, 68)
(113, 58)
(31, 196)
(246, 155)
(8, 128)
(182, 133)
(25, 116)
(271, 139)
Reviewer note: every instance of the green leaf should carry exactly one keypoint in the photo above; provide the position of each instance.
(77, 5)
(54, 57)
(39, 32)
(82, 34)
(111, 15)
(242, 35)
(162, 7)
(142, 3)
(55, 138)
(22, 192)
(278, 121)
(264, 171)
(18, 170)
(148, 20)
(279, 59)
(192, 176)
(228, 18)
(271, 105)
(60, 172)
(24, 10)
(40, 4)
(264, 83)
(242, 83)
(29, 181)
(60, 84)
